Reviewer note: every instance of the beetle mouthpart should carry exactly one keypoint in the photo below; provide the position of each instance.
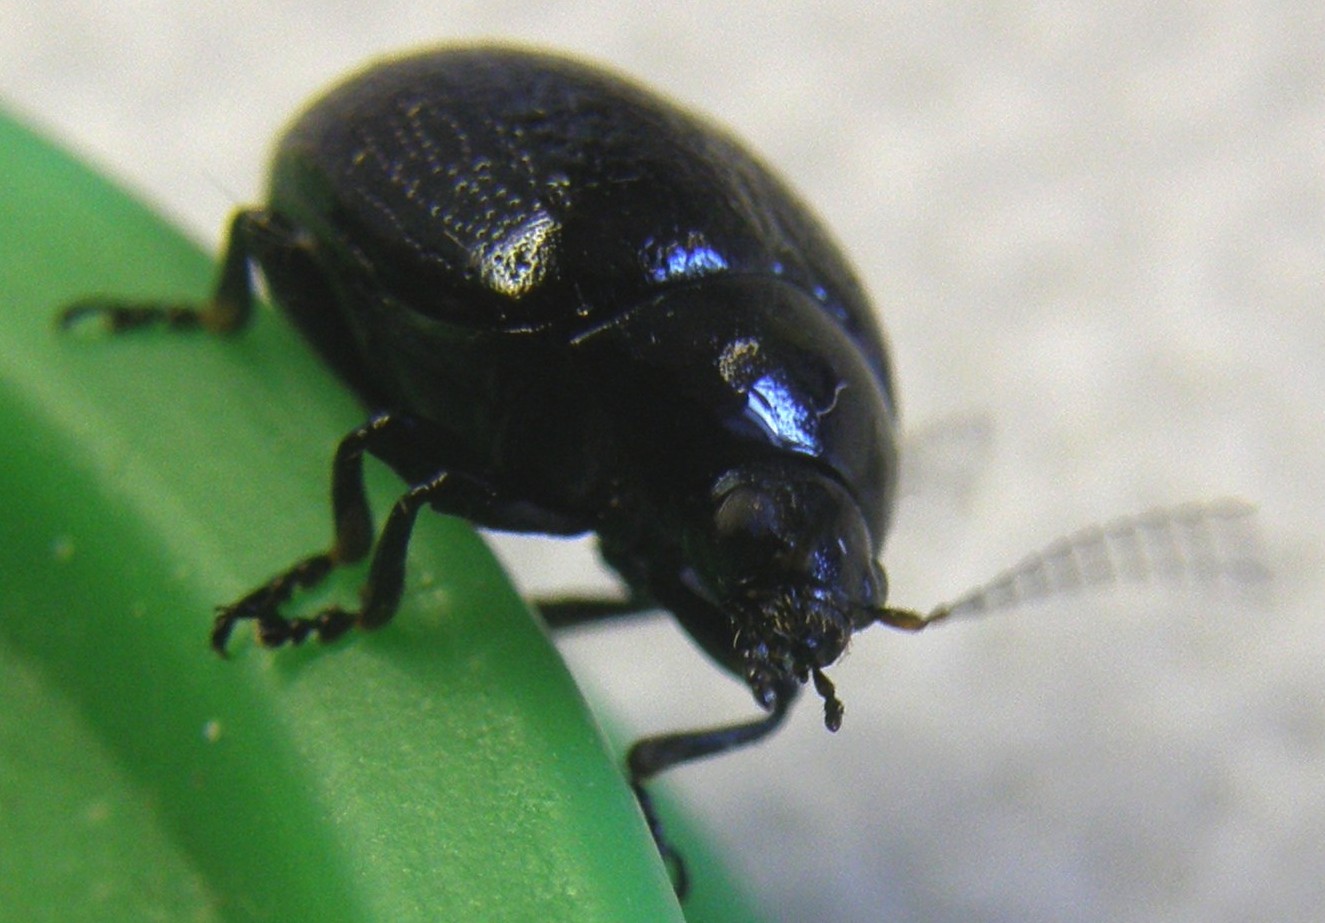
(789, 638)
(766, 692)
(762, 674)
(772, 664)
(833, 707)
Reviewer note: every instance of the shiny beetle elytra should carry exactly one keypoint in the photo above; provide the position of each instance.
(573, 307)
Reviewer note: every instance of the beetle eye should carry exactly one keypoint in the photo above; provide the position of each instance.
(748, 510)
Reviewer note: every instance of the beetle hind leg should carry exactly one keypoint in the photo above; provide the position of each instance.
(254, 233)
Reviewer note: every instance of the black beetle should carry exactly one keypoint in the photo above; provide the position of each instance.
(574, 307)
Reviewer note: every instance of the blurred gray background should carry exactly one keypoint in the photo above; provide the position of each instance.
(1097, 227)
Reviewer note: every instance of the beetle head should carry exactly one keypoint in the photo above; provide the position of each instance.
(786, 553)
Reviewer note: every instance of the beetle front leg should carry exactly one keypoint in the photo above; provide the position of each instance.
(652, 755)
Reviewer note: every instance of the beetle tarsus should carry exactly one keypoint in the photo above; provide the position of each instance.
(121, 316)
(327, 625)
(671, 858)
(274, 630)
(262, 604)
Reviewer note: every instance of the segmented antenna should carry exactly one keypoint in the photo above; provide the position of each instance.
(1204, 542)
(945, 457)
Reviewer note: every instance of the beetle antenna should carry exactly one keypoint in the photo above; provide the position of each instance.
(1207, 541)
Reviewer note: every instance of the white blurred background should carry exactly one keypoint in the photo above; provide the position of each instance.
(1098, 226)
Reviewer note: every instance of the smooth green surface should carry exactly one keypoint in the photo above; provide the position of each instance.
(443, 768)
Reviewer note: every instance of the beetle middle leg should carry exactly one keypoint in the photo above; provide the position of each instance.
(351, 542)
(560, 613)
